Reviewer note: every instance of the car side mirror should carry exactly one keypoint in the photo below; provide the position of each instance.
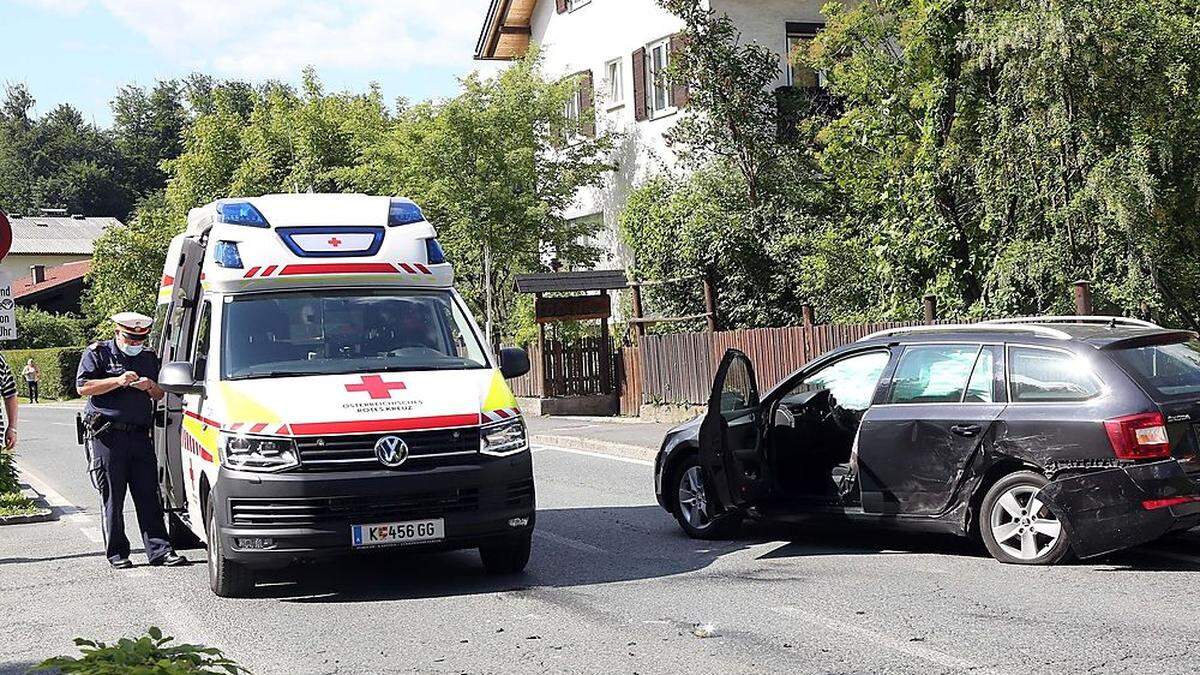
(514, 362)
(176, 377)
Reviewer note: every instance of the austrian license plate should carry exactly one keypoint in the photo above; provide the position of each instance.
(407, 532)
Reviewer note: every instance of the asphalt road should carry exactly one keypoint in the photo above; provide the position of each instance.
(613, 586)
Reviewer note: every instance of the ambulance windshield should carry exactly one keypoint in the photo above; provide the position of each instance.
(311, 333)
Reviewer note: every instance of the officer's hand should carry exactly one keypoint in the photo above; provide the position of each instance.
(127, 378)
(143, 383)
(10, 438)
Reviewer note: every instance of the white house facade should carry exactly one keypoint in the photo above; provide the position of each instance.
(619, 46)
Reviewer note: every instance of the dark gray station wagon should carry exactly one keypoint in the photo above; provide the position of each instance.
(1043, 436)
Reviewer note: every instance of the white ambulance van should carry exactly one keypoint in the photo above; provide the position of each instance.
(329, 391)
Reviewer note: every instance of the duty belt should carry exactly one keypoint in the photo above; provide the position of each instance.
(121, 426)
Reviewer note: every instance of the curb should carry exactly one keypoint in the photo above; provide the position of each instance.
(42, 515)
(593, 445)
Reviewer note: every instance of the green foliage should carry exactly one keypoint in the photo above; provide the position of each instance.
(58, 366)
(150, 654)
(38, 329)
(16, 504)
(8, 474)
(991, 153)
(128, 262)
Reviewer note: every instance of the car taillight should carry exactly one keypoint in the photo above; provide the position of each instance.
(1142, 436)
(1152, 504)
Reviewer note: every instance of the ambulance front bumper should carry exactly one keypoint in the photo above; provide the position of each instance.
(270, 520)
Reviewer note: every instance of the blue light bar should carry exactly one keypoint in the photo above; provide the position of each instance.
(241, 213)
(404, 212)
(226, 254)
(434, 252)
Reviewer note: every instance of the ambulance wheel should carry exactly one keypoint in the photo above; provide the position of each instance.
(226, 578)
(180, 534)
(508, 557)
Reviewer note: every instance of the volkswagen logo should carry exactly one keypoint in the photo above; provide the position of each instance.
(391, 451)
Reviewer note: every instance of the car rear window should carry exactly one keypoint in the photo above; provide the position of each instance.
(1049, 376)
(1168, 371)
(933, 374)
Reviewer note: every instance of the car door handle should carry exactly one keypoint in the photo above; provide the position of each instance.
(967, 430)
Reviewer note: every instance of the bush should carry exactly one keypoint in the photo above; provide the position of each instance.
(8, 474)
(58, 367)
(37, 329)
(150, 653)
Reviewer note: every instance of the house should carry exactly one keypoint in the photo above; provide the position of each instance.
(617, 47)
(54, 289)
(51, 239)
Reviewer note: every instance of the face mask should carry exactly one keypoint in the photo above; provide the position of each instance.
(128, 349)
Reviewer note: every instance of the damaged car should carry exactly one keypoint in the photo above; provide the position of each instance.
(1043, 437)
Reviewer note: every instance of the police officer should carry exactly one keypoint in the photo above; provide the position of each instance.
(118, 376)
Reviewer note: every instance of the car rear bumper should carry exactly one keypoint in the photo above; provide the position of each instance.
(308, 516)
(1110, 509)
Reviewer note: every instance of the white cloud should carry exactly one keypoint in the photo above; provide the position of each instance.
(276, 38)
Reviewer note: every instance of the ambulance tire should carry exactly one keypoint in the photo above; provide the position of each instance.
(508, 557)
(226, 578)
(181, 536)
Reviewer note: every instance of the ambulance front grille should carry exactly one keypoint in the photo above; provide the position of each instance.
(351, 452)
(307, 511)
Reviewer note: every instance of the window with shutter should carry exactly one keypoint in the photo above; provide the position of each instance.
(658, 89)
(639, 84)
(679, 90)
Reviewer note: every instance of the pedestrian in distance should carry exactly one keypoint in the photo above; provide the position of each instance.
(118, 377)
(33, 376)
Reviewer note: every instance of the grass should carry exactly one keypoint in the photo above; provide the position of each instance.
(16, 504)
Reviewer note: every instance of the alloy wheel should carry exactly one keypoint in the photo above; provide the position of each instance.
(1022, 525)
(693, 498)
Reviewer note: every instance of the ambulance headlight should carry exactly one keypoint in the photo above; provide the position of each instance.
(503, 439)
(258, 453)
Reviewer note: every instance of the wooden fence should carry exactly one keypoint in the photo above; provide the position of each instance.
(584, 367)
(679, 368)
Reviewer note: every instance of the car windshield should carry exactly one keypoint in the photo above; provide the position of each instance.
(1168, 371)
(309, 333)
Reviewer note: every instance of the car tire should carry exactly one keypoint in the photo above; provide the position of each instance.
(180, 535)
(506, 557)
(226, 578)
(689, 480)
(1016, 528)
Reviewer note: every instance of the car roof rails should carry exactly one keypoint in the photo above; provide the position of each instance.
(1110, 321)
(1045, 331)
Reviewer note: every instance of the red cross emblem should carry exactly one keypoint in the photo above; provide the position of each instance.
(375, 386)
(335, 242)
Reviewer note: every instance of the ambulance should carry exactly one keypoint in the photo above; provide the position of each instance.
(329, 392)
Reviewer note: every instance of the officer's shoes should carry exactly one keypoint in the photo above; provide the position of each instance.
(120, 563)
(170, 560)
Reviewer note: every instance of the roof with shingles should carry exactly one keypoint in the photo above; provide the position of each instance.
(55, 276)
(585, 280)
(60, 235)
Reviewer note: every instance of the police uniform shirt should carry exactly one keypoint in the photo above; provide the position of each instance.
(126, 405)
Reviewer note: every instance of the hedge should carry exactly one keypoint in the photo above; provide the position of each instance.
(58, 365)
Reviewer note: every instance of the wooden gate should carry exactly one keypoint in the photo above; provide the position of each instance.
(582, 367)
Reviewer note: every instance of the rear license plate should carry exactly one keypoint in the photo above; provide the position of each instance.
(407, 532)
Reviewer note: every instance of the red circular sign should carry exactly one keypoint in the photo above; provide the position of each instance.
(5, 235)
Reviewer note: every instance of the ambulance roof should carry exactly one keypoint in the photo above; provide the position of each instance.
(255, 243)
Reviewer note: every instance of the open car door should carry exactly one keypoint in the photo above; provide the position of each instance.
(731, 433)
(174, 345)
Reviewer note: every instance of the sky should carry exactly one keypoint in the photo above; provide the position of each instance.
(81, 51)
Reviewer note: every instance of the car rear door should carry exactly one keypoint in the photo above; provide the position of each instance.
(731, 433)
(937, 413)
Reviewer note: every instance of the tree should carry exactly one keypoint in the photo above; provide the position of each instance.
(38, 329)
(493, 172)
(147, 129)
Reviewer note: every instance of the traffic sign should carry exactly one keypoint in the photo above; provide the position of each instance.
(6, 236)
(8, 315)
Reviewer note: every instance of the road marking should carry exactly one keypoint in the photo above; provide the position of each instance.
(601, 455)
(569, 543)
(872, 637)
(52, 496)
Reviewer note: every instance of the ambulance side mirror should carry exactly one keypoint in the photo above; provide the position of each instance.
(176, 377)
(514, 362)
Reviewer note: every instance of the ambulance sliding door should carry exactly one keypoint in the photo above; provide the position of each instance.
(177, 340)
